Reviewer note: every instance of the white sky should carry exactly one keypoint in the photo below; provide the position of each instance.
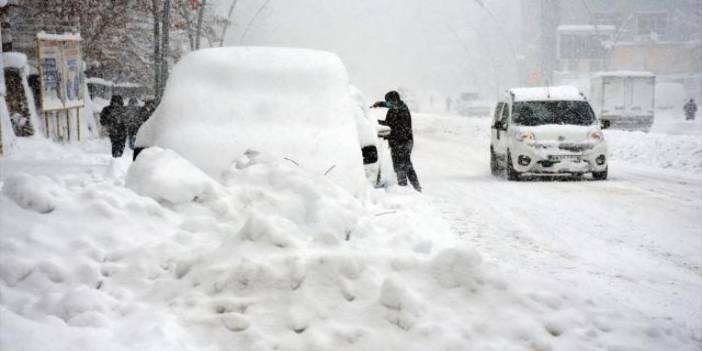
(391, 43)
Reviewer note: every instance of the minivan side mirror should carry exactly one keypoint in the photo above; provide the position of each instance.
(497, 125)
(604, 124)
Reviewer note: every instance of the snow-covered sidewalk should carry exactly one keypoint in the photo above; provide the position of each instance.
(274, 258)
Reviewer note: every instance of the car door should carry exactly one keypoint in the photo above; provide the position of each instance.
(493, 127)
(500, 145)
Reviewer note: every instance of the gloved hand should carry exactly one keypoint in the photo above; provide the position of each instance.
(378, 104)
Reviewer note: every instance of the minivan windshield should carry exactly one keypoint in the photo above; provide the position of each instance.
(536, 113)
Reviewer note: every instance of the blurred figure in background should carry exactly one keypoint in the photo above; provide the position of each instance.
(690, 110)
(113, 117)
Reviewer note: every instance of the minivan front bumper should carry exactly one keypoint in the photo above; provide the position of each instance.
(560, 158)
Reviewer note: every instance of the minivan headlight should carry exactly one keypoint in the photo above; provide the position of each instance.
(526, 137)
(596, 136)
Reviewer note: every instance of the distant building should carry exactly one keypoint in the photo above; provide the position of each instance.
(662, 37)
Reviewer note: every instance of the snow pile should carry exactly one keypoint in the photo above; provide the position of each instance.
(276, 258)
(165, 176)
(31, 152)
(674, 152)
(7, 138)
(37, 194)
(292, 103)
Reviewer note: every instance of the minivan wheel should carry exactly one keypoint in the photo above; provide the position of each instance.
(494, 166)
(512, 174)
(600, 175)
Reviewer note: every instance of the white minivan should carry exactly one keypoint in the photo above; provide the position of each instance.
(547, 131)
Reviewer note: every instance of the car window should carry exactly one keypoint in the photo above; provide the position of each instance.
(505, 114)
(498, 111)
(535, 113)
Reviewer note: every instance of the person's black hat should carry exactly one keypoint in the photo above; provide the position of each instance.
(392, 96)
(116, 100)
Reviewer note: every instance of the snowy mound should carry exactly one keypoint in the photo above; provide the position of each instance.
(674, 152)
(292, 103)
(273, 257)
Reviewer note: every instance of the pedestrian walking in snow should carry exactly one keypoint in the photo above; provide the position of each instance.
(133, 121)
(113, 117)
(399, 119)
(690, 110)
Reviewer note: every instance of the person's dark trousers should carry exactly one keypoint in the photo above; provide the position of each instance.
(118, 142)
(401, 161)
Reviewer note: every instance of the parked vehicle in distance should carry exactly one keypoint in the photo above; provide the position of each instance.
(624, 100)
(547, 131)
(290, 104)
(469, 104)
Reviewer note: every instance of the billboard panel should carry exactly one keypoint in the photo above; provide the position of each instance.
(61, 72)
(72, 75)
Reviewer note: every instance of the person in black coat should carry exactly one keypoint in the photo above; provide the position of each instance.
(399, 119)
(113, 117)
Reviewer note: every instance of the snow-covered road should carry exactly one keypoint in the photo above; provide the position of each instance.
(277, 258)
(633, 241)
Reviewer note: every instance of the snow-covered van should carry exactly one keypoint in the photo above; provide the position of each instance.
(376, 153)
(547, 130)
(290, 104)
(624, 100)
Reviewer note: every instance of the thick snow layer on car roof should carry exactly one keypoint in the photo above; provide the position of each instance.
(624, 74)
(14, 60)
(586, 28)
(547, 93)
(288, 103)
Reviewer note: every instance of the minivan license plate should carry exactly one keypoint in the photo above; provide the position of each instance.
(574, 158)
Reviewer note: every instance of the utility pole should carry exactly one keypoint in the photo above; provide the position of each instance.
(157, 51)
(166, 25)
(199, 24)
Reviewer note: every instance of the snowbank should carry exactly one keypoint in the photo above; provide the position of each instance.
(674, 152)
(291, 103)
(8, 134)
(164, 176)
(277, 258)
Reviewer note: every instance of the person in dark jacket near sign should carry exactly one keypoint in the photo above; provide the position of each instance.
(113, 117)
(399, 119)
